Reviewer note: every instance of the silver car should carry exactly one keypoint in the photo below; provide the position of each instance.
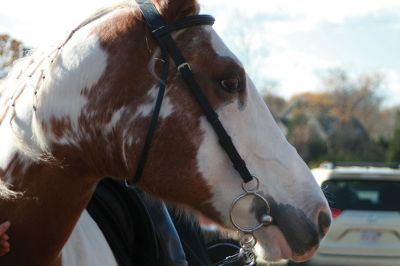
(365, 204)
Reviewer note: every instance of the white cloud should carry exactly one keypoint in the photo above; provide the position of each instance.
(314, 10)
(295, 71)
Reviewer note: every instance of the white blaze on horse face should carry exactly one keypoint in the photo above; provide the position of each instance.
(282, 173)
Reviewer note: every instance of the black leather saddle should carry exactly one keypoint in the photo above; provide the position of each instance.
(142, 231)
(125, 215)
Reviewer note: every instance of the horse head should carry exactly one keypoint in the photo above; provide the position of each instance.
(94, 104)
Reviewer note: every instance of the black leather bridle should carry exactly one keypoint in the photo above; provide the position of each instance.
(162, 33)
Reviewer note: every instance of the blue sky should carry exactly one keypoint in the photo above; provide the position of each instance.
(288, 42)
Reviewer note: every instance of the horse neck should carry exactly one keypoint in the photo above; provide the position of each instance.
(44, 214)
(54, 195)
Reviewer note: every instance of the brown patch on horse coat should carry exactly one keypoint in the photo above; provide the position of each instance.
(43, 218)
(60, 126)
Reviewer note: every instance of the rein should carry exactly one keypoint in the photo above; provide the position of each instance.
(161, 31)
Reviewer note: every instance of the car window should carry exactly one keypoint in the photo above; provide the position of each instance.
(362, 194)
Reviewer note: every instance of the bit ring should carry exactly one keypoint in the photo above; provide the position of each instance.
(266, 219)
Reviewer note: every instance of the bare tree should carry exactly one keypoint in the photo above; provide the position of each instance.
(356, 98)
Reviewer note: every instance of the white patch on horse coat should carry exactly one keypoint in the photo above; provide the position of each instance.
(87, 245)
(116, 117)
(8, 149)
(167, 107)
(145, 110)
(81, 64)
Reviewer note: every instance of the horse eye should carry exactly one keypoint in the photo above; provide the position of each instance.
(231, 85)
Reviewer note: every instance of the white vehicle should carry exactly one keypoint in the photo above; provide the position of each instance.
(365, 204)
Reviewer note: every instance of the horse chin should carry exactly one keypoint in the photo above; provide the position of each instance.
(272, 246)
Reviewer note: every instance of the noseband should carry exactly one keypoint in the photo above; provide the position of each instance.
(162, 33)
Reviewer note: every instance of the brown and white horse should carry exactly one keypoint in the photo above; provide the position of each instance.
(78, 113)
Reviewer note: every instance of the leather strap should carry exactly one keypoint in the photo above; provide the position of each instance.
(154, 119)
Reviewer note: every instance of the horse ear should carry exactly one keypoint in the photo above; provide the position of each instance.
(172, 10)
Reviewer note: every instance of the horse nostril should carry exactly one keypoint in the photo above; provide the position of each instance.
(324, 221)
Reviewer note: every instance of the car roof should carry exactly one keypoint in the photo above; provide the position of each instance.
(325, 172)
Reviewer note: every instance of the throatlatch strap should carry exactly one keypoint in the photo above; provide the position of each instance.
(161, 31)
(154, 119)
